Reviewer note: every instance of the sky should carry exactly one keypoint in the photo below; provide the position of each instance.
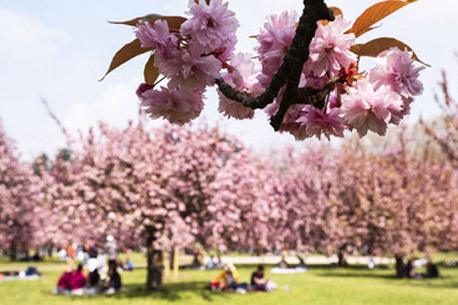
(58, 49)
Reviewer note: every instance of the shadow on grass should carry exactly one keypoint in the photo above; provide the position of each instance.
(435, 283)
(360, 275)
(172, 292)
(441, 282)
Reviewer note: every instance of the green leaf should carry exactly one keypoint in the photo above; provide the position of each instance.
(374, 14)
(374, 47)
(126, 53)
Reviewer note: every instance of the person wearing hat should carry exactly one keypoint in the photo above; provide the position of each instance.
(228, 280)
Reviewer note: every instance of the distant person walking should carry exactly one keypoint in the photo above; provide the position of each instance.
(111, 250)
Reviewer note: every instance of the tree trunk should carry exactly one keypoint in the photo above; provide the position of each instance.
(154, 264)
(175, 263)
(50, 249)
(400, 267)
(342, 261)
(13, 252)
(166, 264)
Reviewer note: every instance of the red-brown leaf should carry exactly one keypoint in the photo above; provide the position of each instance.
(125, 54)
(197, 1)
(174, 22)
(374, 14)
(374, 47)
(151, 72)
(337, 12)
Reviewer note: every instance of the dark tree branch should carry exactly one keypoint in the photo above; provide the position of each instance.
(306, 96)
(290, 71)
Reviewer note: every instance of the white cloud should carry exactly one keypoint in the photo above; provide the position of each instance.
(116, 105)
(23, 37)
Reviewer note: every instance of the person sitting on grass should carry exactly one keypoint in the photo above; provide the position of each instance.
(283, 264)
(129, 265)
(210, 263)
(64, 284)
(411, 270)
(302, 263)
(258, 281)
(92, 267)
(228, 280)
(431, 270)
(78, 281)
(112, 282)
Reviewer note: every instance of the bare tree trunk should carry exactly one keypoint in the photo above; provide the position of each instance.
(13, 252)
(175, 263)
(342, 261)
(400, 266)
(166, 264)
(50, 249)
(154, 263)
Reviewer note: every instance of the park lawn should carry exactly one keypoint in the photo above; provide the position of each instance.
(323, 286)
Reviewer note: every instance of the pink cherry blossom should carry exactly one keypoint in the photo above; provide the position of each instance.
(330, 48)
(367, 109)
(396, 69)
(274, 40)
(188, 70)
(211, 25)
(176, 106)
(157, 36)
(317, 123)
(244, 79)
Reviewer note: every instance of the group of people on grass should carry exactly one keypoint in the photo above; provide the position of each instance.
(100, 278)
(412, 266)
(228, 280)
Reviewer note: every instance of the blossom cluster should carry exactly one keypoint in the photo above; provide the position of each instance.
(202, 50)
(190, 58)
(361, 101)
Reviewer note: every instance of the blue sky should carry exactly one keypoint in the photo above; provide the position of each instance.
(58, 49)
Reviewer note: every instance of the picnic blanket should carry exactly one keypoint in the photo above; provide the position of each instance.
(277, 270)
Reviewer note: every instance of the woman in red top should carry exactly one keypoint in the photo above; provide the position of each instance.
(78, 279)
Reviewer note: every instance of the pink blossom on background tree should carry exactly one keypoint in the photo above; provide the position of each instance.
(305, 199)
(171, 187)
(396, 210)
(22, 217)
(147, 187)
(246, 207)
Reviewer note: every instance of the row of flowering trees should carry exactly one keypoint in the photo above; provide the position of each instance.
(174, 186)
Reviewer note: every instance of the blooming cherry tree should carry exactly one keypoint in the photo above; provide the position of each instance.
(306, 76)
(146, 187)
(22, 217)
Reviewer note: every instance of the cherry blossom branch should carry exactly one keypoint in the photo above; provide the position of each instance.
(306, 95)
(290, 71)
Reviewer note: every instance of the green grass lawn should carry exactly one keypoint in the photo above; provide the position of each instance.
(320, 285)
